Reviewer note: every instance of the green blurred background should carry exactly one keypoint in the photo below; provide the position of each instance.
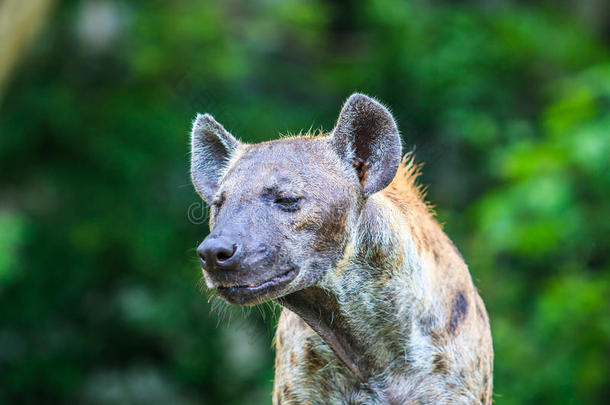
(507, 103)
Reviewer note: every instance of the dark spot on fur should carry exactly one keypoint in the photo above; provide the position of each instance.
(484, 394)
(436, 256)
(331, 232)
(436, 338)
(459, 308)
(376, 256)
(312, 359)
(396, 200)
(439, 364)
(287, 394)
(425, 241)
(293, 359)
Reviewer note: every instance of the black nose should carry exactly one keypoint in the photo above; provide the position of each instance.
(218, 252)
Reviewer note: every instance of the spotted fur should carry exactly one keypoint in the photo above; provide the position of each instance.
(383, 309)
(409, 300)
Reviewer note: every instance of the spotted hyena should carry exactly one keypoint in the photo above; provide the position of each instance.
(379, 306)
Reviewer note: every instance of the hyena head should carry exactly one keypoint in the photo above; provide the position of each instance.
(282, 212)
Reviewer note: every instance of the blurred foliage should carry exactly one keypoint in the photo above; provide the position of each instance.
(507, 103)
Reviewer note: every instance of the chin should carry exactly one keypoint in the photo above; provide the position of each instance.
(253, 293)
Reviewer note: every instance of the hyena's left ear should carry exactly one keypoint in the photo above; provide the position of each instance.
(211, 149)
(366, 137)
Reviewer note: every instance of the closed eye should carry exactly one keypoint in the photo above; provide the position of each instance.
(289, 204)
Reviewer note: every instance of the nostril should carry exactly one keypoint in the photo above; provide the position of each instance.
(218, 253)
(225, 254)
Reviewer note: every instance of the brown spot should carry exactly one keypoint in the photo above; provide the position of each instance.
(459, 308)
(331, 231)
(395, 199)
(436, 256)
(312, 359)
(377, 257)
(425, 241)
(485, 393)
(439, 364)
(287, 394)
(436, 338)
(293, 359)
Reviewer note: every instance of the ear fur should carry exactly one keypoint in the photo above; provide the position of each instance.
(211, 150)
(366, 137)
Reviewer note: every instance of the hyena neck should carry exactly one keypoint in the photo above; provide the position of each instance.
(369, 334)
(321, 310)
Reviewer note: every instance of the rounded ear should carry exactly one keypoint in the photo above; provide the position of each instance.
(211, 149)
(366, 137)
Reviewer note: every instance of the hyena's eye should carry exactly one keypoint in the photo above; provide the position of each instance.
(289, 204)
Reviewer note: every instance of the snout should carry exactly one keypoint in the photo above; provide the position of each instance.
(218, 253)
(243, 274)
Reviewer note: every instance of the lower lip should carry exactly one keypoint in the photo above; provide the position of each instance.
(247, 294)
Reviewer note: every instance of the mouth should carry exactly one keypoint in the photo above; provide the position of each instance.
(253, 294)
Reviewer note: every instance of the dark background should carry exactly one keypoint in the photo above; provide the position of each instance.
(506, 102)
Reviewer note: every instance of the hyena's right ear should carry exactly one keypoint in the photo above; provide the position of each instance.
(211, 149)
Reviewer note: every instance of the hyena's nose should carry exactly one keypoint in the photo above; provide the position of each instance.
(218, 252)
